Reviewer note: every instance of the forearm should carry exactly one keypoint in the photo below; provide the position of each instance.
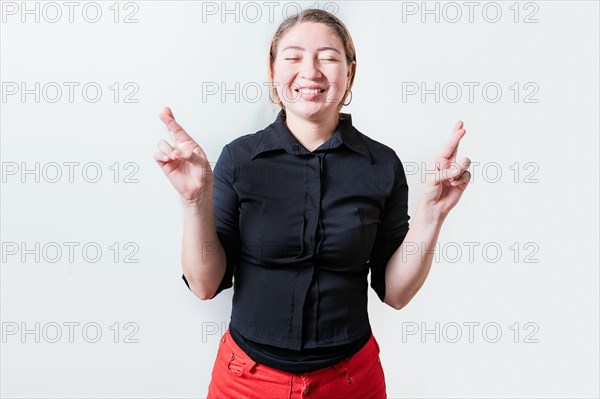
(203, 257)
(409, 266)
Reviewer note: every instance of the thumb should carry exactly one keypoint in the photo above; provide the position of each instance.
(453, 170)
(192, 153)
(446, 173)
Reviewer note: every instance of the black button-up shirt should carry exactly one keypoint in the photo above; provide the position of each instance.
(302, 229)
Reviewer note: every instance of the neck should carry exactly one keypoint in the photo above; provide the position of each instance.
(311, 133)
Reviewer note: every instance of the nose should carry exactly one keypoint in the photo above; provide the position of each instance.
(310, 69)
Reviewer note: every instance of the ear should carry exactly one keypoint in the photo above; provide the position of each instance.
(351, 70)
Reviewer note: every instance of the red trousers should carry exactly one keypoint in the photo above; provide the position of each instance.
(236, 375)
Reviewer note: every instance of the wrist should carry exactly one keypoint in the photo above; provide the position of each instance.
(198, 203)
(430, 214)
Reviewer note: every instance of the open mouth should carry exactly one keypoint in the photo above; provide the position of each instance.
(309, 91)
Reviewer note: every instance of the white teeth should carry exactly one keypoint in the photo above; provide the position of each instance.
(309, 91)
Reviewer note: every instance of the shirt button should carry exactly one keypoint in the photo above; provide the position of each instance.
(231, 356)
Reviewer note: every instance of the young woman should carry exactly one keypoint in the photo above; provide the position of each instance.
(299, 213)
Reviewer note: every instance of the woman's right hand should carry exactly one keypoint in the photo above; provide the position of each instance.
(184, 162)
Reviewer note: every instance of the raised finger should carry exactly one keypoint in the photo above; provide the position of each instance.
(192, 153)
(166, 148)
(462, 179)
(169, 112)
(175, 129)
(463, 164)
(160, 157)
(452, 157)
(455, 170)
(452, 144)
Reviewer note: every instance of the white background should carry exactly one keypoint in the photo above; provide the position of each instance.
(544, 218)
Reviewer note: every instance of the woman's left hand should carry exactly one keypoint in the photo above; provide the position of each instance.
(445, 178)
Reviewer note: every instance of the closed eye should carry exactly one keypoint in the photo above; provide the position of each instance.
(322, 59)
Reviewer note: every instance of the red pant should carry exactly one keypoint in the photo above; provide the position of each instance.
(236, 375)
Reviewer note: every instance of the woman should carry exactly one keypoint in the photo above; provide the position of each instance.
(299, 213)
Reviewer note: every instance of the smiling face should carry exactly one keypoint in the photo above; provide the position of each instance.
(311, 74)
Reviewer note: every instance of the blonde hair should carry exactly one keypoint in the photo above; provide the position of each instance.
(336, 26)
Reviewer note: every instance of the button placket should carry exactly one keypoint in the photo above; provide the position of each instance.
(316, 166)
(320, 231)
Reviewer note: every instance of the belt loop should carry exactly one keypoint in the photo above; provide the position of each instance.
(342, 369)
(224, 337)
(248, 365)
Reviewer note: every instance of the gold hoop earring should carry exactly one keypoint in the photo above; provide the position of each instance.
(350, 99)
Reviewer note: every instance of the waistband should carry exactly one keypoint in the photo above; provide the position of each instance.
(368, 353)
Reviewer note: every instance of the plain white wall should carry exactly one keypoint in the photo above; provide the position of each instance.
(530, 214)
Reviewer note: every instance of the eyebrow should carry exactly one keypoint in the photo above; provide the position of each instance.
(302, 48)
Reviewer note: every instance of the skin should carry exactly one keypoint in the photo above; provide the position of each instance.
(312, 121)
(186, 166)
(409, 266)
(310, 54)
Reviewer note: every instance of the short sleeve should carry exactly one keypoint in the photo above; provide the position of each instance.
(392, 230)
(226, 211)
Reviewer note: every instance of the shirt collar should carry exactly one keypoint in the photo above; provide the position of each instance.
(278, 136)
